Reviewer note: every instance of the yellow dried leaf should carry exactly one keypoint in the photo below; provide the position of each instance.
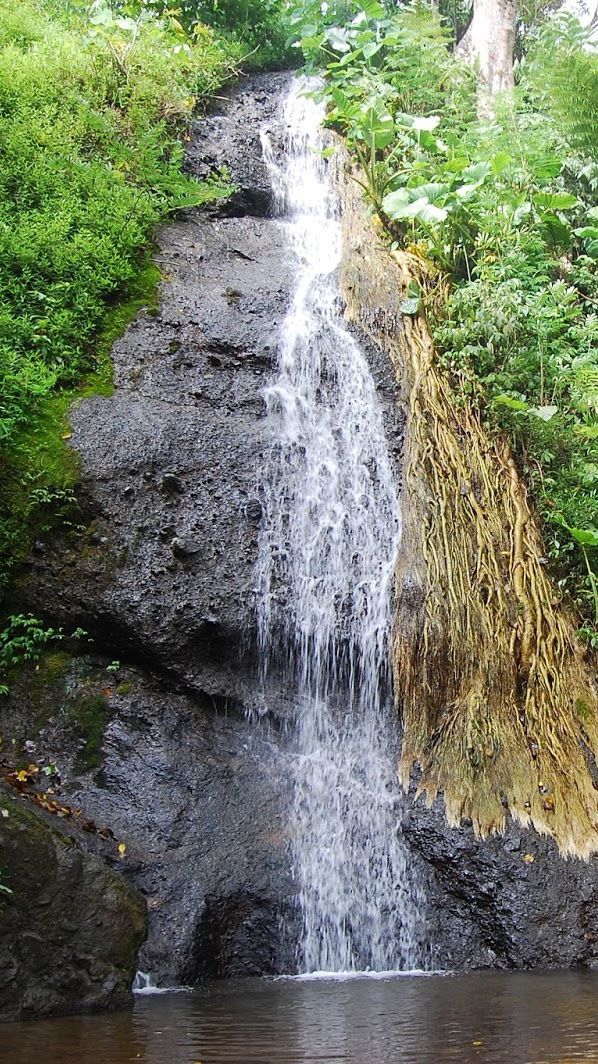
(122, 849)
(528, 858)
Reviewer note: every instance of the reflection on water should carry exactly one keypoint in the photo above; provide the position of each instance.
(514, 1018)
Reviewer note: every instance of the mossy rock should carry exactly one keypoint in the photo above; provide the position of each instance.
(71, 928)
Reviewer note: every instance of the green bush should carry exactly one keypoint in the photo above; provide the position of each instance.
(23, 639)
(91, 114)
(259, 26)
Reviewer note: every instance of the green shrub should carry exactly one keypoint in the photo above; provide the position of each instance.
(23, 639)
(92, 111)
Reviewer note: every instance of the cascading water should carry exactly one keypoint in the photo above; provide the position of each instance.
(329, 539)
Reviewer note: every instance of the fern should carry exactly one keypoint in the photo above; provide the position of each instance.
(564, 74)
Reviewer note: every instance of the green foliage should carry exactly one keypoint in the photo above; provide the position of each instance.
(3, 888)
(506, 210)
(104, 100)
(260, 27)
(23, 639)
(259, 24)
(561, 74)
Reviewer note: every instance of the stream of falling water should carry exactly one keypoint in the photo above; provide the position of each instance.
(329, 539)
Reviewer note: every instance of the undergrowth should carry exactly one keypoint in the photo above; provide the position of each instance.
(504, 214)
(94, 108)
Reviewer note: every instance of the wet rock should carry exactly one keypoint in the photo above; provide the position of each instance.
(508, 901)
(198, 794)
(70, 930)
(185, 547)
(254, 510)
(172, 484)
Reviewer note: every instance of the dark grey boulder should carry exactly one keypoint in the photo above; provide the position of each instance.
(70, 930)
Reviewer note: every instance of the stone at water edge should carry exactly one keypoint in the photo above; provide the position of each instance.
(70, 930)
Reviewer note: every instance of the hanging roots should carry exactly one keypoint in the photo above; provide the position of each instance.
(499, 705)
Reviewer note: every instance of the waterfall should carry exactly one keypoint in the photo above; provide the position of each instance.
(328, 543)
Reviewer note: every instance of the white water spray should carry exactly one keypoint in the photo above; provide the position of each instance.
(329, 539)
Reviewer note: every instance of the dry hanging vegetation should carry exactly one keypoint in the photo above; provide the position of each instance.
(498, 702)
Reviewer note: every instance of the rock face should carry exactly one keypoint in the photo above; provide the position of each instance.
(196, 793)
(70, 931)
(167, 744)
(506, 902)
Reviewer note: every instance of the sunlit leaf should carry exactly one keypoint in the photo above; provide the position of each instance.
(375, 125)
(394, 201)
(500, 162)
(544, 412)
(555, 201)
(477, 174)
(426, 123)
(588, 537)
(510, 402)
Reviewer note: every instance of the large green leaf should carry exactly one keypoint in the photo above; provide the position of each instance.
(555, 201)
(397, 207)
(588, 537)
(466, 192)
(556, 231)
(394, 201)
(500, 162)
(588, 232)
(429, 212)
(545, 413)
(476, 174)
(375, 125)
(338, 39)
(373, 9)
(432, 190)
(404, 211)
(425, 123)
(510, 403)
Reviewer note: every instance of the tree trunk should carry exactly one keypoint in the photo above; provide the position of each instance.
(490, 44)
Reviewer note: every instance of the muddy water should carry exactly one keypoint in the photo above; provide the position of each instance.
(514, 1018)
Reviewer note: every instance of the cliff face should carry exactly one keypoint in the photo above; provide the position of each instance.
(155, 725)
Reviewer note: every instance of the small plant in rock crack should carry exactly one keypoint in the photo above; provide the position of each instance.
(22, 640)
